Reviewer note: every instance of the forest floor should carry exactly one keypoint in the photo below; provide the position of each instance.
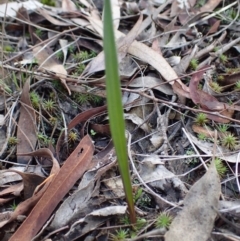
(179, 65)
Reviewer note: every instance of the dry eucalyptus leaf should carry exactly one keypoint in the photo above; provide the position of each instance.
(196, 220)
(50, 64)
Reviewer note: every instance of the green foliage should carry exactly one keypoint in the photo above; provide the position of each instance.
(92, 132)
(53, 120)
(8, 48)
(141, 222)
(229, 141)
(35, 100)
(200, 3)
(114, 104)
(237, 85)
(120, 235)
(223, 128)
(59, 55)
(202, 137)
(220, 78)
(71, 49)
(49, 105)
(191, 161)
(83, 55)
(216, 87)
(13, 206)
(79, 69)
(138, 194)
(72, 136)
(201, 119)
(43, 139)
(82, 98)
(194, 64)
(220, 167)
(125, 220)
(5, 87)
(12, 141)
(48, 2)
(163, 220)
(38, 32)
(223, 58)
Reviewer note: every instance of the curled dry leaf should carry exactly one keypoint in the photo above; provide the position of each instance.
(50, 64)
(207, 101)
(30, 182)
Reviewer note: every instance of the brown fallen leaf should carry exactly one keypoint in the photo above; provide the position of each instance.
(80, 118)
(148, 55)
(50, 64)
(26, 132)
(209, 102)
(28, 204)
(30, 182)
(74, 167)
(13, 189)
(98, 64)
(195, 221)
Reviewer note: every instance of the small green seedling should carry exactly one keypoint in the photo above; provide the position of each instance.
(48, 2)
(237, 85)
(13, 206)
(71, 49)
(59, 55)
(81, 56)
(49, 105)
(216, 87)
(223, 128)
(92, 132)
(220, 167)
(164, 220)
(120, 235)
(39, 32)
(35, 100)
(8, 48)
(202, 137)
(229, 141)
(223, 58)
(138, 194)
(72, 136)
(194, 64)
(220, 78)
(53, 120)
(12, 141)
(201, 119)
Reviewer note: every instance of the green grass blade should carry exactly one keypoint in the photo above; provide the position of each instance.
(115, 109)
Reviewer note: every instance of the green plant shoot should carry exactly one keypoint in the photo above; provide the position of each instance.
(115, 109)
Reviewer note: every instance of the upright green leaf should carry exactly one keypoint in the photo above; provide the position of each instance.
(115, 109)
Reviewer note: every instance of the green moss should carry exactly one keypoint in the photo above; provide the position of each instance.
(194, 64)
(48, 2)
(201, 119)
(164, 220)
(8, 48)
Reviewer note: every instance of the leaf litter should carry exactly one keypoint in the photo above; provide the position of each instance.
(179, 69)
